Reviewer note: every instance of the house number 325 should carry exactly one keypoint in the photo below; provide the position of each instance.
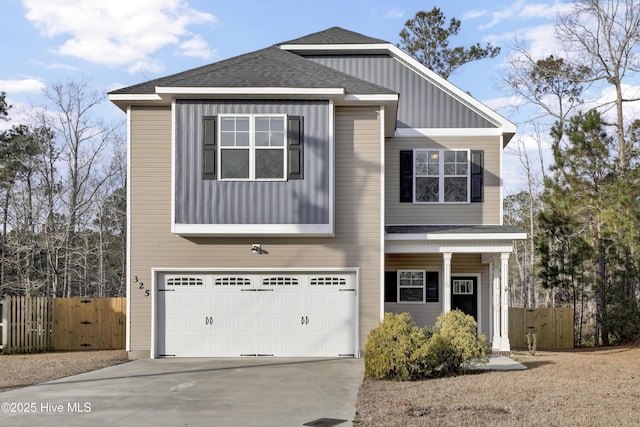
(141, 286)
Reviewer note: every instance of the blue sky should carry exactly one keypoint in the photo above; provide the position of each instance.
(117, 43)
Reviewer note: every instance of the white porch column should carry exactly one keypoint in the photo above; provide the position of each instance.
(446, 279)
(504, 307)
(495, 305)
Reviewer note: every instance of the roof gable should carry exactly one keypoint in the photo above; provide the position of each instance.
(335, 35)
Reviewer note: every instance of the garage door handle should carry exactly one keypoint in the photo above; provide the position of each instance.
(304, 320)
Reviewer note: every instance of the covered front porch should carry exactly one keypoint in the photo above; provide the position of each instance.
(435, 269)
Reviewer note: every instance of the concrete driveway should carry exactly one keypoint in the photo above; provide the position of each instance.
(194, 392)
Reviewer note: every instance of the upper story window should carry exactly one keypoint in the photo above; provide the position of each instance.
(252, 147)
(441, 176)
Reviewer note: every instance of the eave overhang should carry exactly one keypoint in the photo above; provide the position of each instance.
(166, 95)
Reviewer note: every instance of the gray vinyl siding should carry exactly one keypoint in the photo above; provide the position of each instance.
(421, 105)
(358, 219)
(485, 213)
(201, 201)
(426, 314)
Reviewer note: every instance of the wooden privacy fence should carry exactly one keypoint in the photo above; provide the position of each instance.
(27, 323)
(553, 327)
(32, 324)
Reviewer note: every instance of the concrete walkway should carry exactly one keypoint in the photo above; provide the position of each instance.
(194, 392)
(498, 362)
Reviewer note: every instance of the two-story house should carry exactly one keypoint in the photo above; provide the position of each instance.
(279, 202)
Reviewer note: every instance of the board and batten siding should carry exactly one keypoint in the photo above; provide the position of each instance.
(485, 213)
(357, 219)
(426, 314)
(428, 106)
(303, 201)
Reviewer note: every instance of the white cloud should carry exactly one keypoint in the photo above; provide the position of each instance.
(544, 10)
(501, 15)
(503, 103)
(394, 14)
(146, 66)
(540, 40)
(606, 98)
(115, 32)
(523, 10)
(472, 14)
(196, 47)
(21, 86)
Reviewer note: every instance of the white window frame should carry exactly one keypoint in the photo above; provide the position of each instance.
(462, 287)
(423, 286)
(441, 176)
(252, 147)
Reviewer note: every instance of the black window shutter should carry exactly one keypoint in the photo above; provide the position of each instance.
(432, 286)
(295, 155)
(477, 176)
(406, 176)
(209, 147)
(390, 286)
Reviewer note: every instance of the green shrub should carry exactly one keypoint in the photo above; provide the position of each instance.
(623, 320)
(395, 350)
(455, 345)
(398, 350)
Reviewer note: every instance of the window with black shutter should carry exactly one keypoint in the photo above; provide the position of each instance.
(295, 154)
(209, 147)
(441, 176)
(252, 147)
(430, 286)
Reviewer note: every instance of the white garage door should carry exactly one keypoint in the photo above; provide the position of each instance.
(256, 314)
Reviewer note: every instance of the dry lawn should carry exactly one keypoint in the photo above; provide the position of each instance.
(21, 370)
(594, 387)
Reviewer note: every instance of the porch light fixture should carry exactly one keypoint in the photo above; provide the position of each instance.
(256, 248)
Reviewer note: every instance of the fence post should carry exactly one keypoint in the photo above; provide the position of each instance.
(3, 311)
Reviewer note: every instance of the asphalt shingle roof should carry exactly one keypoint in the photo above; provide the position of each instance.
(335, 35)
(270, 67)
(450, 229)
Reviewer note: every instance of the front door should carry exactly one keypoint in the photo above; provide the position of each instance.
(464, 295)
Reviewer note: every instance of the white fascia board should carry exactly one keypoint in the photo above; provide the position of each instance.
(439, 132)
(431, 247)
(456, 236)
(333, 47)
(249, 91)
(231, 230)
(134, 97)
(372, 98)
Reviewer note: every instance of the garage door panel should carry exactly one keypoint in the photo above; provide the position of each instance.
(235, 314)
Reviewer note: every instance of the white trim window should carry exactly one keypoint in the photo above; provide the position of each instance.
(462, 287)
(252, 147)
(411, 286)
(441, 176)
